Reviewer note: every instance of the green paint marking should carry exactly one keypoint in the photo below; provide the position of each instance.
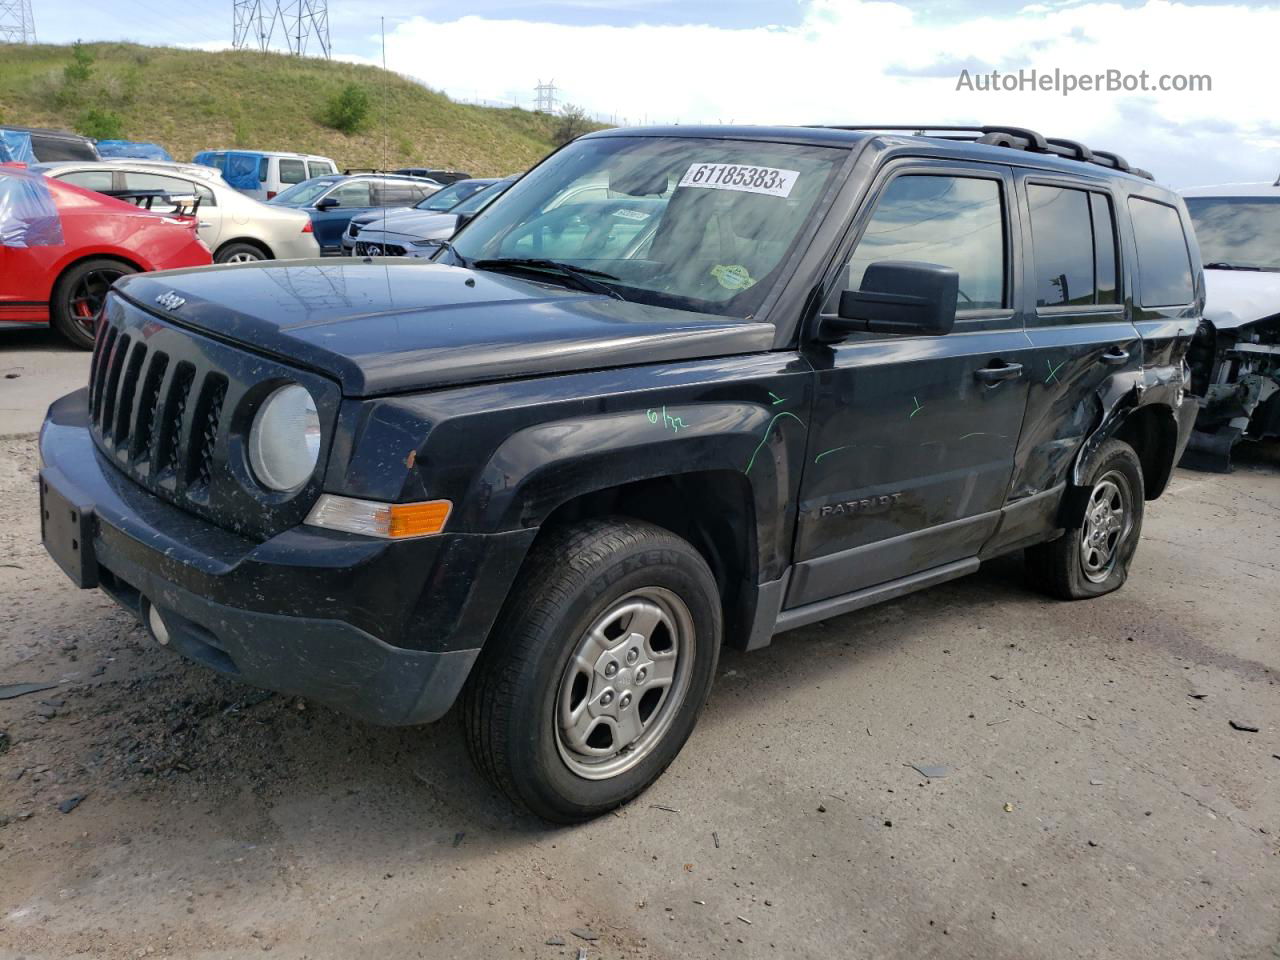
(824, 453)
(1053, 371)
(765, 438)
(674, 424)
(917, 409)
(777, 399)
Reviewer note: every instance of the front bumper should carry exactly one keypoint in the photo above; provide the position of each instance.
(308, 612)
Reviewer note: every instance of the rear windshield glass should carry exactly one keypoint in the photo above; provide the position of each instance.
(721, 217)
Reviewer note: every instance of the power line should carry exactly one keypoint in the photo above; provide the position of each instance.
(255, 24)
(17, 25)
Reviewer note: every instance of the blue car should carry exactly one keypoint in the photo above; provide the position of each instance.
(333, 201)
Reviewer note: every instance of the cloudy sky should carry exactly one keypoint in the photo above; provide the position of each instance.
(817, 61)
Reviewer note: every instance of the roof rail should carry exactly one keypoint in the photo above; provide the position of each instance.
(1014, 138)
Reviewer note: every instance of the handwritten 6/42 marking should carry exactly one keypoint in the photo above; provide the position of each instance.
(674, 424)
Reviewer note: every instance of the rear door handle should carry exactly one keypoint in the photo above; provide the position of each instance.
(998, 372)
(1115, 356)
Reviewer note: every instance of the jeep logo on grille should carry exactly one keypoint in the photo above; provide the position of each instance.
(170, 300)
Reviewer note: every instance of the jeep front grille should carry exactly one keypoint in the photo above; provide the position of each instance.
(162, 402)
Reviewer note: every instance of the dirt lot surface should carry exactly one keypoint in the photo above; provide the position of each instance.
(1096, 801)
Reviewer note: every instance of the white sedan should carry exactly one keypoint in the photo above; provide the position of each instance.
(235, 227)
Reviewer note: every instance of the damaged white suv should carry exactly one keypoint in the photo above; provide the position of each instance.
(1235, 358)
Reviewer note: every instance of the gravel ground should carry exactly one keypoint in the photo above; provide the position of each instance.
(1096, 801)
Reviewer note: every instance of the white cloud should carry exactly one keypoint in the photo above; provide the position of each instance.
(852, 61)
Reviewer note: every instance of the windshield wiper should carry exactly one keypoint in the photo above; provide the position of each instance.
(1223, 265)
(584, 277)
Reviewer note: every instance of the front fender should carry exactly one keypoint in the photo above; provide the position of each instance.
(542, 467)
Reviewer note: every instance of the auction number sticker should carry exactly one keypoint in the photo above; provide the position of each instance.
(742, 177)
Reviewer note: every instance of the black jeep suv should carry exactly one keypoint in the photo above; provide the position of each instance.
(677, 388)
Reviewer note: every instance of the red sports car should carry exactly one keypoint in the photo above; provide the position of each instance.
(62, 247)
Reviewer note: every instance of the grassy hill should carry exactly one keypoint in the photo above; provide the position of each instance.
(189, 100)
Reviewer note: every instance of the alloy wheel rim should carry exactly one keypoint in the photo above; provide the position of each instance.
(89, 294)
(242, 258)
(1107, 523)
(624, 683)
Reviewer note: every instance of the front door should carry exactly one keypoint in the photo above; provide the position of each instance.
(349, 198)
(910, 451)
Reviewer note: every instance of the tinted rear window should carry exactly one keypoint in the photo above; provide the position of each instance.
(49, 149)
(1073, 235)
(1164, 263)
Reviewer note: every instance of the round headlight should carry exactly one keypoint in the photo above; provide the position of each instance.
(284, 441)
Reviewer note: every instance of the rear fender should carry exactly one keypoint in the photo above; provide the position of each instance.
(1122, 401)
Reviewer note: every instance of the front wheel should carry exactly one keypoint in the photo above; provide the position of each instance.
(1094, 559)
(597, 670)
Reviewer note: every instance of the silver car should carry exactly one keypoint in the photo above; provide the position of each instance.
(235, 227)
(417, 232)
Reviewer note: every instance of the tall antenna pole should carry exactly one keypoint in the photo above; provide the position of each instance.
(17, 25)
(383, 20)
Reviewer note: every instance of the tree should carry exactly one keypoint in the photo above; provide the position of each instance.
(572, 124)
(347, 110)
(81, 66)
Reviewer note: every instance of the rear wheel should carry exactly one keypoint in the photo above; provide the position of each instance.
(597, 670)
(239, 253)
(78, 297)
(1094, 559)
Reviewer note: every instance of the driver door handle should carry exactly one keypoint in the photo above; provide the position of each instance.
(1115, 356)
(998, 371)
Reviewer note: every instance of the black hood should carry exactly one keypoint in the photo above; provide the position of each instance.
(394, 327)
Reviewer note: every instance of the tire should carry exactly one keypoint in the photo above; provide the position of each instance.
(78, 295)
(240, 253)
(1094, 559)
(594, 579)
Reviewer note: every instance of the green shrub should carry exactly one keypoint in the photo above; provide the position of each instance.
(100, 125)
(348, 110)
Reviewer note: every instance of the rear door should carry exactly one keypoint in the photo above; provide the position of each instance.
(1079, 321)
(912, 438)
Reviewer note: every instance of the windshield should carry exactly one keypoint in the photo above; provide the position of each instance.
(300, 194)
(688, 223)
(1241, 231)
(482, 198)
(451, 196)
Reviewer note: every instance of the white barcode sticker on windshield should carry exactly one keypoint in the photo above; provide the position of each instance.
(741, 177)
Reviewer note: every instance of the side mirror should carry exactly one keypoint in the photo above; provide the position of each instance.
(463, 220)
(900, 296)
(327, 203)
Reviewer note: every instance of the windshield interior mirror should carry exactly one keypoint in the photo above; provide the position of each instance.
(899, 296)
(325, 203)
